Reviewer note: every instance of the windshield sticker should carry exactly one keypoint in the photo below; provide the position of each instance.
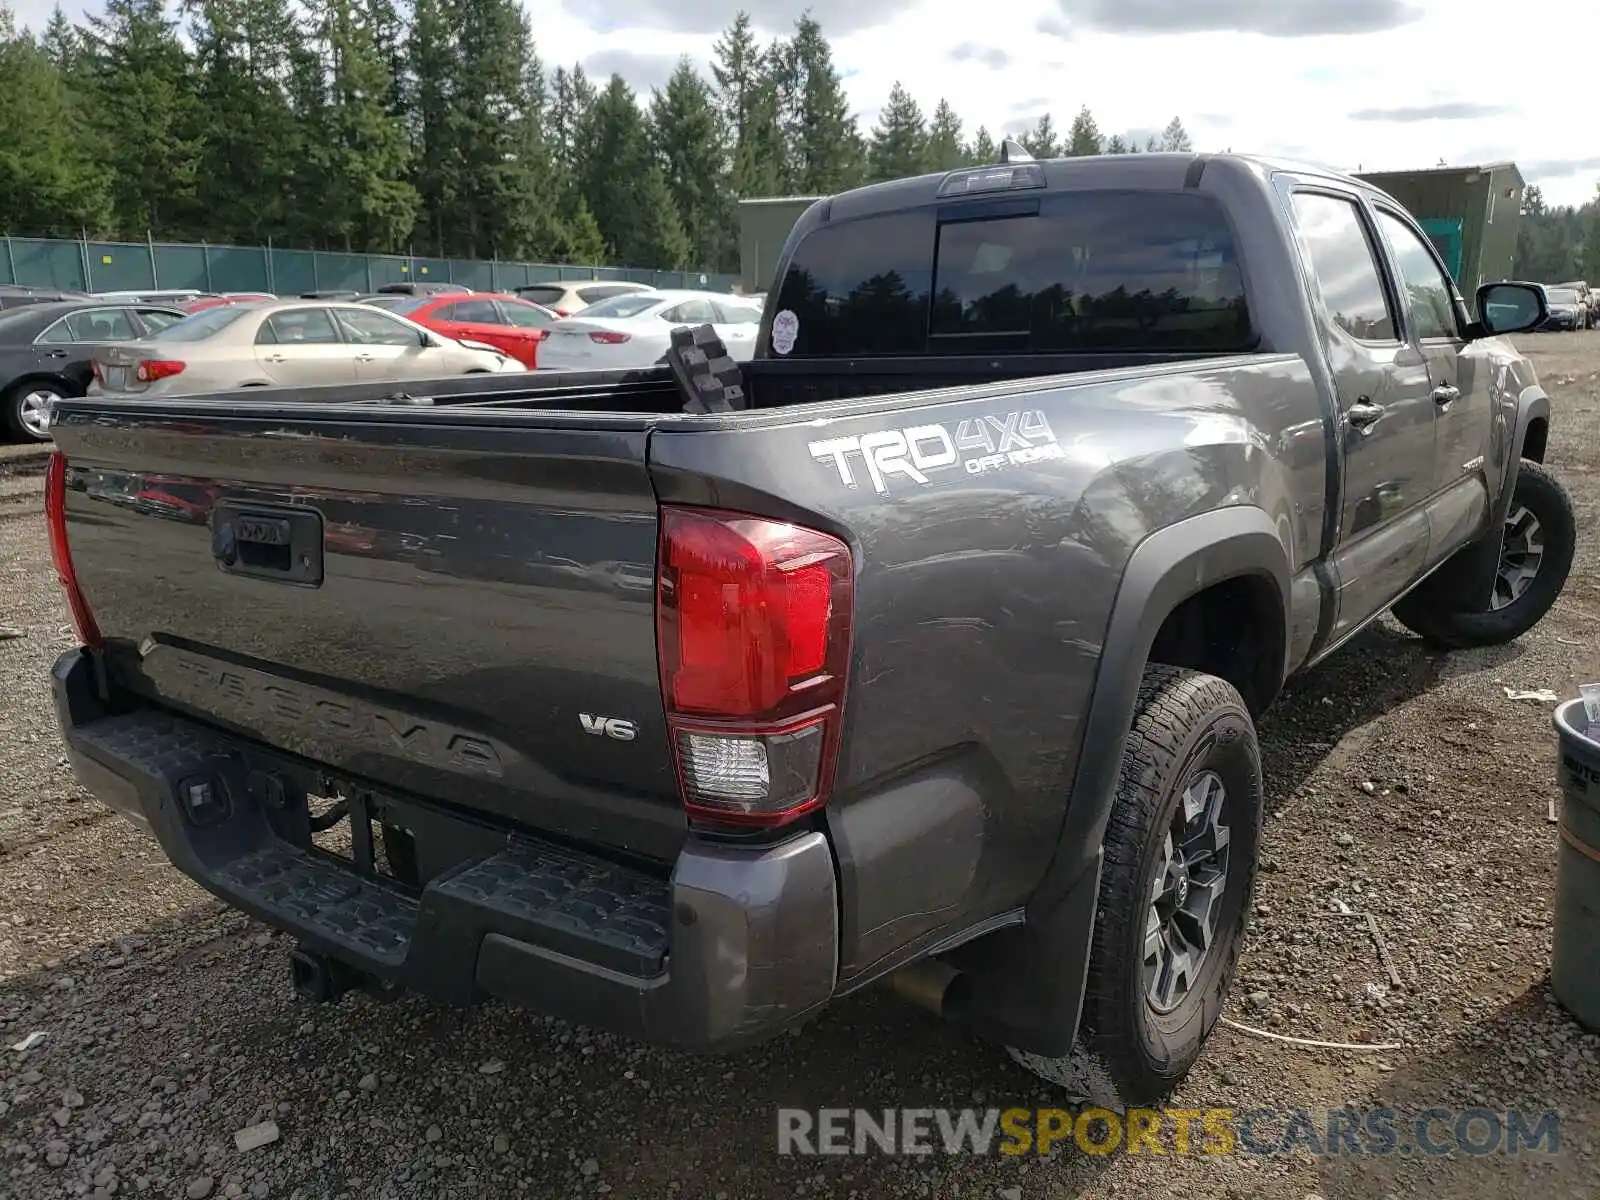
(785, 328)
(978, 446)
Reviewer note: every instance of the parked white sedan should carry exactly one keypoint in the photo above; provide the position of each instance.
(286, 343)
(635, 331)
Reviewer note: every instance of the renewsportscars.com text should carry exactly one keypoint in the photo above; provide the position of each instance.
(1168, 1131)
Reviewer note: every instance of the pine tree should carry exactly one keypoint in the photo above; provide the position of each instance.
(493, 184)
(1041, 141)
(748, 95)
(431, 48)
(142, 117)
(899, 146)
(367, 203)
(945, 150)
(658, 239)
(1175, 137)
(1083, 138)
(1117, 144)
(624, 186)
(823, 152)
(61, 42)
(688, 136)
(581, 240)
(249, 142)
(48, 183)
(983, 148)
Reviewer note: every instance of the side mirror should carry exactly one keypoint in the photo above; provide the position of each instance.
(425, 340)
(1510, 308)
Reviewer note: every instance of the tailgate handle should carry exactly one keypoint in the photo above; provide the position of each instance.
(275, 543)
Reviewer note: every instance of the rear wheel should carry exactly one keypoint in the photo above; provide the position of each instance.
(1536, 549)
(1175, 886)
(27, 410)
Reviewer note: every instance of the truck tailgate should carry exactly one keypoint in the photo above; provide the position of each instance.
(462, 613)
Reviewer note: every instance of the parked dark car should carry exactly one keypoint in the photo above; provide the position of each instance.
(421, 289)
(15, 295)
(1568, 310)
(46, 352)
(929, 645)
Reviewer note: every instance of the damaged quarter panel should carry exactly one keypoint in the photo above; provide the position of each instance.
(990, 536)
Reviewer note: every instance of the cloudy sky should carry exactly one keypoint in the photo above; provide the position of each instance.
(1373, 84)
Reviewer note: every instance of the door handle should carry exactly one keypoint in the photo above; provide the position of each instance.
(363, 358)
(1445, 394)
(275, 358)
(1363, 415)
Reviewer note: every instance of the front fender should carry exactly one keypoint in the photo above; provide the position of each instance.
(1465, 581)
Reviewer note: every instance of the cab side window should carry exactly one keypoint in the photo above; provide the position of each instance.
(1344, 266)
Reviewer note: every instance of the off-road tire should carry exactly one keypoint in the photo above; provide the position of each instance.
(1127, 1052)
(1540, 493)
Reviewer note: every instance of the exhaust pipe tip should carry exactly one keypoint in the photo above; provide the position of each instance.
(927, 984)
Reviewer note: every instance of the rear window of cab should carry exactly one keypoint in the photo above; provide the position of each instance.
(1086, 272)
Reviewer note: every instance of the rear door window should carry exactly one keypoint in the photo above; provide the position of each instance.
(300, 327)
(1344, 263)
(470, 312)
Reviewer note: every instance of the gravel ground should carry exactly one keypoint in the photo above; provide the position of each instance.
(1403, 783)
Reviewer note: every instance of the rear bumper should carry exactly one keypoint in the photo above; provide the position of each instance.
(735, 946)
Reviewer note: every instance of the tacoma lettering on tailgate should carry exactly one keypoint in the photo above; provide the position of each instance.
(238, 692)
(919, 452)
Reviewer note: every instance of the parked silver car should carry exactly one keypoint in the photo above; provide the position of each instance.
(286, 343)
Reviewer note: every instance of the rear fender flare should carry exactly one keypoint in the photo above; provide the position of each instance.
(1165, 569)
(1028, 981)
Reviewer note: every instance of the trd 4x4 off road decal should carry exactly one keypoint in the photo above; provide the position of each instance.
(979, 445)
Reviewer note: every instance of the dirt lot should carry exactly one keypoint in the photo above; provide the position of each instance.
(1403, 783)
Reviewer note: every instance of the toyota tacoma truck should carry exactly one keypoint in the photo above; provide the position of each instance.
(927, 647)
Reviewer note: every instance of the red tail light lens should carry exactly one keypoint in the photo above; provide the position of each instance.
(753, 633)
(607, 337)
(55, 513)
(151, 369)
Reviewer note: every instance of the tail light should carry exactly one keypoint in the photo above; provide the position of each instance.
(607, 337)
(151, 369)
(753, 633)
(55, 513)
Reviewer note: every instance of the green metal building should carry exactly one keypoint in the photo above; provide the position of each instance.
(764, 223)
(1472, 215)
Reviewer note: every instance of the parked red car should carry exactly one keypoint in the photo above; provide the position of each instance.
(507, 323)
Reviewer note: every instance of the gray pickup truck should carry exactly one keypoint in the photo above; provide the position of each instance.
(930, 652)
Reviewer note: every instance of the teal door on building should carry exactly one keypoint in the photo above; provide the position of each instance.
(1445, 234)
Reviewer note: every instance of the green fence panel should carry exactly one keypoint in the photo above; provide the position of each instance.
(294, 272)
(342, 271)
(182, 266)
(387, 268)
(47, 262)
(119, 267)
(237, 269)
(478, 275)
